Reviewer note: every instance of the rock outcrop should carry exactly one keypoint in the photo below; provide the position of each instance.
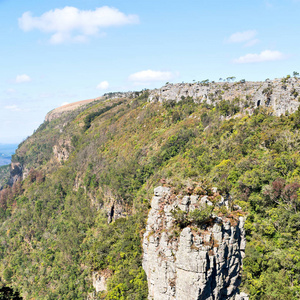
(281, 95)
(195, 262)
(61, 151)
(16, 173)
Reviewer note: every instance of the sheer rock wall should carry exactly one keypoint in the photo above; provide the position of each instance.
(197, 263)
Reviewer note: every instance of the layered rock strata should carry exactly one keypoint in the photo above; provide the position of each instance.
(193, 263)
(281, 95)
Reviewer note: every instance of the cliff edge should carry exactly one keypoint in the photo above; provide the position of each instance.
(281, 95)
(189, 260)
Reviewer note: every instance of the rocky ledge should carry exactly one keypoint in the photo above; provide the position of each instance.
(193, 261)
(280, 95)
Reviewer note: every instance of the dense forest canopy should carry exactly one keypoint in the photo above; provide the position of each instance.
(54, 230)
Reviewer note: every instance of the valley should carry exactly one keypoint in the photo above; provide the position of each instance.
(98, 190)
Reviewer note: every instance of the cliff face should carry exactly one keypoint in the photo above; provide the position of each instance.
(16, 173)
(200, 262)
(279, 94)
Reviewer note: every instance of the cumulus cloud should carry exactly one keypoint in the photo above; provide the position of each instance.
(102, 85)
(247, 37)
(267, 55)
(150, 76)
(22, 78)
(74, 25)
(240, 37)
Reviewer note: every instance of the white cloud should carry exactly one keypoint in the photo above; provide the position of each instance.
(12, 107)
(267, 55)
(150, 76)
(74, 25)
(240, 37)
(22, 78)
(251, 43)
(102, 85)
(65, 103)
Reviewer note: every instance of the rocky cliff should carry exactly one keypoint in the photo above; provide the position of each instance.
(16, 173)
(192, 261)
(281, 95)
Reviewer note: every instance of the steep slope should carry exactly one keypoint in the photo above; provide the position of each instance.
(79, 215)
(4, 175)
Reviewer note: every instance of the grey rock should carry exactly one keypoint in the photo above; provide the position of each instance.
(273, 94)
(16, 173)
(205, 264)
(194, 199)
(160, 191)
(204, 201)
(99, 282)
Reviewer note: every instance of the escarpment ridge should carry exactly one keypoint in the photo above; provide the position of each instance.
(77, 220)
(280, 95)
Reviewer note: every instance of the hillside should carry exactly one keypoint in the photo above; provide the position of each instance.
(4, 175)
(79, 208)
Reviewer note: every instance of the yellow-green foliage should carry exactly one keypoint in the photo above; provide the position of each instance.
(53, 232)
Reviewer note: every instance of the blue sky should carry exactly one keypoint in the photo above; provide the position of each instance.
(55, 52)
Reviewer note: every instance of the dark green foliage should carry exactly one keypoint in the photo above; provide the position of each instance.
(42, 126)
(228, 108)
(4, 175)
(180, 217)
(6, 293)
(201, 215)
(178, 111)
(54, 229)
(198, 216)
(296, 118)
(90, 117)
(116, 249)
(174, 145)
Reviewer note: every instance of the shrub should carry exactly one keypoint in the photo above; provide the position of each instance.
(201, 215)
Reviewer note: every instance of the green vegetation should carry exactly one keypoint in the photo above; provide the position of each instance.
(54, 231)
(197, 216)
(90, 117)
(6, 293)
(4, 175)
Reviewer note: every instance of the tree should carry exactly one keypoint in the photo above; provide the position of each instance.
(295, 74)
(6, 293)
(232, 78)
